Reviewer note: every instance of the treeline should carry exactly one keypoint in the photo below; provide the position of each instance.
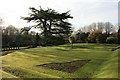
(56, 30)
(13, 37)
(98, 33)
(54, 26)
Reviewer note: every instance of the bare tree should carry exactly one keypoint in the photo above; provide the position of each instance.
(115, 28)
(83, 29)
(100, 26)
(11, 30)
(1, 21)
(108, 27)
(93, 26)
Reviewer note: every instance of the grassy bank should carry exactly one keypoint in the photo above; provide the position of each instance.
(23, 63)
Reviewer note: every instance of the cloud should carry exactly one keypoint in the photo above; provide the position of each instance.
(94, 12)
(83, 11)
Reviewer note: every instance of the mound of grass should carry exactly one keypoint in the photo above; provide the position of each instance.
(69, 67)
(109, 68)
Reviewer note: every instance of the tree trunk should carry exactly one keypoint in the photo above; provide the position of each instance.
(72, 45)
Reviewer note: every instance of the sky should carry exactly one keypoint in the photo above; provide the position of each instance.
(84, 12)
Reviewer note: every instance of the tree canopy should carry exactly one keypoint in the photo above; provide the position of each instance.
(50, 21)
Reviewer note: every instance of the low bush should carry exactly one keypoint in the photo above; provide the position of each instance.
(111, 40)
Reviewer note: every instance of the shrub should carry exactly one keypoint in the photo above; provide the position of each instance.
(101, 38)
(92, 36)
(111, 40)
(52, 40)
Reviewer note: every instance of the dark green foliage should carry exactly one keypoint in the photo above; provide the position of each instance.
(37, 40)
(51, 23)
(9, 37)
(25, 38)
(111, 40)
(82, 37)
(101, 38)
(119, 35)
(13, 38)
(52, 40)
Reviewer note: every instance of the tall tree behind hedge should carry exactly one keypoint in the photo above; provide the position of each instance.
(50, 21)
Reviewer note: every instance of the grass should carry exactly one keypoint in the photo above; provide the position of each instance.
(22, 63)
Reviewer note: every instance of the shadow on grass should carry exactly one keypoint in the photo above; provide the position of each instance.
(5, 53)
(76, 47)
(63, 50)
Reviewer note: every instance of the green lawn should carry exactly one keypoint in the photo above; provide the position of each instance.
(22, 63)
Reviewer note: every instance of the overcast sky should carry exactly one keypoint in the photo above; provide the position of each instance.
(84, 11)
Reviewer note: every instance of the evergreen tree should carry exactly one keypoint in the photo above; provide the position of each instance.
(50, 22)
